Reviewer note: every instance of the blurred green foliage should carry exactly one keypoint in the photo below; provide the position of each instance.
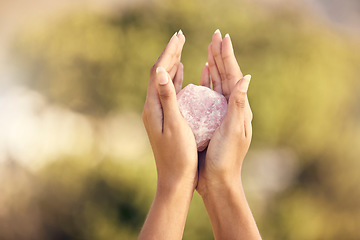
(304, 95)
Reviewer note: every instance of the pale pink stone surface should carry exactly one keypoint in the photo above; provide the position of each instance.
(203, 109)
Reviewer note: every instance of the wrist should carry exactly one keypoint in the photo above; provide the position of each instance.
(213, 186)
(176, 193)
(226, 204)
(174, 185)
(228, 196)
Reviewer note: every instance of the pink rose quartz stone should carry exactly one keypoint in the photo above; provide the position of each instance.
(204, 110)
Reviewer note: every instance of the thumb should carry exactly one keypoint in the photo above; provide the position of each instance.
(167, 94)
(235, 116)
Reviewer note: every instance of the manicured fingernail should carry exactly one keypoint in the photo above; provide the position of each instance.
(245, 86)
(228, 36)
(163, 78)
(206, 64)
(181, 33)
(217, 31)
(248, 77)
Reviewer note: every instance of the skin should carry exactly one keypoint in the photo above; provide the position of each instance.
(219, 182)
(216, 172)
(169, 136)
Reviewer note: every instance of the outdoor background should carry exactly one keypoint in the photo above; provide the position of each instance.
(75, 162)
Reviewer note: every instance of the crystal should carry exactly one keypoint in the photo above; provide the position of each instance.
(203, 109)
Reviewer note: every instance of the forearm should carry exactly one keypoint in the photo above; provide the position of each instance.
(167, 216)
(230, 214)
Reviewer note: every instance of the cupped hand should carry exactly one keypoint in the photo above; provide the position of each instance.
(220, 165)
(171, 138)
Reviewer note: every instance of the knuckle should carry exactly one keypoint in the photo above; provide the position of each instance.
(211, 64)
(173, 54)
(153, 68)
(164, 95)
(226, 57)
(178, 54)
(230, 76)
(216, 54)
(240, 100)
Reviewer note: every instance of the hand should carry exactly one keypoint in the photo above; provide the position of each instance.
(219, 181)
(220, 165)
(171, 138)
(175, 151)
(173, 144)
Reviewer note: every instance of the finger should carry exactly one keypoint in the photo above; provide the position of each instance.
(173, 70)
(167, 60)
(152, 96)
(169, 56)
(182, 40)
(236, 114)
(152, 117)
(214, 72)
(232, 69)
(179, 77)
(164, 60)
(216, 51)
(152, 113)
(167, 95)
(205, 76)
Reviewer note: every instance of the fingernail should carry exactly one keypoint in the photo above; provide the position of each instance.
(181, 33)
(159, 69)
(217, 31)
(206, 64)
(231, 46)
(247, 79)
(164, 78)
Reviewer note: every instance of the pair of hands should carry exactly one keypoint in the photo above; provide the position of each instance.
(216, 172)
(172, 141)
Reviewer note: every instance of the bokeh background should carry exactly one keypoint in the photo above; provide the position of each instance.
(75, 162)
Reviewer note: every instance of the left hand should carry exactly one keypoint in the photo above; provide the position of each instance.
(171, 138)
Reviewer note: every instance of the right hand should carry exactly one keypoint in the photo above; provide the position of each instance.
(220, 165)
